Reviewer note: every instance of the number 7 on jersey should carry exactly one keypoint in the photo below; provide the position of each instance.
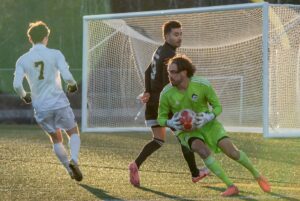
(41, 65)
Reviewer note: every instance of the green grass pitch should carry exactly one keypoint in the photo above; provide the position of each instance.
(30, 171)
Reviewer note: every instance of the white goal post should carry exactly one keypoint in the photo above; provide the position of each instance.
(249, 52)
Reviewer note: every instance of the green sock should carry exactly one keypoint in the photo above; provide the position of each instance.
(214, 166)
(244, 160)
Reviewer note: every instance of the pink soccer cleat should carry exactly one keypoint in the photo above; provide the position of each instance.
(134, 177)
(264, 184)
(230, 191)
(203, 172)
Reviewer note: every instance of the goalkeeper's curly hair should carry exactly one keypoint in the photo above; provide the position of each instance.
(183, 63)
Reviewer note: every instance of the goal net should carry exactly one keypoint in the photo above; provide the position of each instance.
(249, 52)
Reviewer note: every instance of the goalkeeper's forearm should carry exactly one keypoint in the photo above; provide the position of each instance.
(162, 122)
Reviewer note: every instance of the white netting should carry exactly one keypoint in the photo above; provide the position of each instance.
(284, 50)
(225, 46)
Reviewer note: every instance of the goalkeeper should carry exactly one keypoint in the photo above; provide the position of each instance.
(42, 68)
(156, 77)
(186, 91)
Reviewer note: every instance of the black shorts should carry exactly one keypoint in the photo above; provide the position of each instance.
(151, 112)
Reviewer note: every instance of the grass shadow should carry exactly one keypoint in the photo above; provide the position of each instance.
(244, 197)
(99, 193)
(283, 197)
(173, 197)
(241, 197)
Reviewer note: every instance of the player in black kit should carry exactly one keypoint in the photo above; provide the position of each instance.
(156, 77)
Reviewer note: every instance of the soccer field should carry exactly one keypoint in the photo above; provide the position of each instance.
(30, 171)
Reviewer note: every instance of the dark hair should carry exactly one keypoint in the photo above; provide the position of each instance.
(168, 26)
(183, 63)
(37, 31)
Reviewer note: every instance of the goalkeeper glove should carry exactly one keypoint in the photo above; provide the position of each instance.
(202, 118)
(27, 98)
(175, 122)
(72, 88)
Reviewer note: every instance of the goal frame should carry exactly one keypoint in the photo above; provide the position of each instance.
(265, 65)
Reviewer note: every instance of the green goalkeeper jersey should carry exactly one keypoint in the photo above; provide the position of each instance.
(199, 97)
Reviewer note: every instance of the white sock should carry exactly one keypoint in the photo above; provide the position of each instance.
(62, 155)
(74, 144)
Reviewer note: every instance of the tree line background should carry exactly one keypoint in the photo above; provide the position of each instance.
(64, 18)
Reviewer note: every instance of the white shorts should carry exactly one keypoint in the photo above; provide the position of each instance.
(51, 120)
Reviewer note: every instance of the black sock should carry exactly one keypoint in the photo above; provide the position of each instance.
(190, 159)
(148, 149)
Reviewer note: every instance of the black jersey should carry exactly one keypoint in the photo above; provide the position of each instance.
(156, 75)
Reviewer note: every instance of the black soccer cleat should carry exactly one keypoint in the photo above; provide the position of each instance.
(76, 171)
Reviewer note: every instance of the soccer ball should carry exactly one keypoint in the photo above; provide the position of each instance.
(187, 118)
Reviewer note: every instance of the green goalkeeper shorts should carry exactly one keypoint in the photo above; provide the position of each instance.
(210, 134)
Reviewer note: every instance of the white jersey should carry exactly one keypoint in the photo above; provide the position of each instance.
(42, 67)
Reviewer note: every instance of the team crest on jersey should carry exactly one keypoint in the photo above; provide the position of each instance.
(194, 97)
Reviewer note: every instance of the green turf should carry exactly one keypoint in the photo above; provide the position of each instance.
(30, 171)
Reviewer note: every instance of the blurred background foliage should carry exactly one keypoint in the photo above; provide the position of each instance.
(64, 18)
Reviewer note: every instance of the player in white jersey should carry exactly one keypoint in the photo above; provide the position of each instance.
(42, 68)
